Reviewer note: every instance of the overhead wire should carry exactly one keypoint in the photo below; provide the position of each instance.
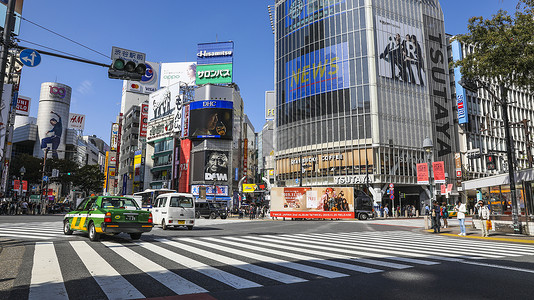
(66, 53)
(69, 39)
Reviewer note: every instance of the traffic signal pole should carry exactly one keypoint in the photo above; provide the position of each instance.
(41, 200)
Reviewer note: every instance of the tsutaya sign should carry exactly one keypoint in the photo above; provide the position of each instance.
(354, 179)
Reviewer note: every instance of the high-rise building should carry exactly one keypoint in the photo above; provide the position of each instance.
(359, 85)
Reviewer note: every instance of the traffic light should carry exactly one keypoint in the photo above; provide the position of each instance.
(490, 162)
(126, 64)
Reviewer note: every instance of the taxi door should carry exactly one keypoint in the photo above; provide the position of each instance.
(79, 222)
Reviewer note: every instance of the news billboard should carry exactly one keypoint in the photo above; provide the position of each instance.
(172, 73)
(401, 56)
(312, 202)
(318, 72)
(211, 119)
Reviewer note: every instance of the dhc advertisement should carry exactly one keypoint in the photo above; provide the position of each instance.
(211, 119)
(460, 91)
(318, 72)
(215, 53)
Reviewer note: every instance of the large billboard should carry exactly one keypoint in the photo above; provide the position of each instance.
(461, 102)
(216, 166)
(211, 119)
(215, 53)
(301, 13)
(185, 157)
(149, 82)
(216, 74)
(172, 73)
(23, 106)
(401, 56)
(167, 102)
(312, 202)
(317, 72)
(76, 121)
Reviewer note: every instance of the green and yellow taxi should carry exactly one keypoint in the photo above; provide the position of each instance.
(98, 215)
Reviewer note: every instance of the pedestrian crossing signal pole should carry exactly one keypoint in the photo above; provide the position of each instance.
(41, 200)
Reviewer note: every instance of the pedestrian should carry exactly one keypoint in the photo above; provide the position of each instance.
(386, 211)
(24, 206)
(427, 210)
(484, 214)
(460, 215)
(444, 214)
(435, 215)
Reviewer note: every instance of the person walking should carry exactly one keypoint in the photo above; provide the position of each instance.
(484, 214)
(444, 214)
(461, 209)
(386, 211)
(435, 214)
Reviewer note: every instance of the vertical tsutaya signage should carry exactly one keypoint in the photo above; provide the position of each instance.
(400, 53)
(114, 137)
(438, 78)
(76, 121)
(215, 53)
(460, 91)
(321, 71)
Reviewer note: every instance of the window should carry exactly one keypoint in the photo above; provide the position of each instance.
(119, 203)
(181, 201)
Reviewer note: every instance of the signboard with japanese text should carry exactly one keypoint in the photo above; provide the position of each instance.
(438, 168)
(114, 137)
(422, 173)
(76, 121)
(143, 123)
(216, 74)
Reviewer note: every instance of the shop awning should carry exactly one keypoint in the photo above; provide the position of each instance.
(501, 179)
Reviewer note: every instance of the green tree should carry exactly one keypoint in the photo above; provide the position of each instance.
(503, 48)
(89, 179)
(31, 164)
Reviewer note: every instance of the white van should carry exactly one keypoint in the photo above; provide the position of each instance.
(174, 209)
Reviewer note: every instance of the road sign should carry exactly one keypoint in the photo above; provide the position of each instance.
(45, 178)
(392, 197)
(30, 57)
(391, 185)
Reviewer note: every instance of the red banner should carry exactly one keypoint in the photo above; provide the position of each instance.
(185, 156)
(438, 168)
(24, 186)
(314, 214)
(16, 185)
(443, 189)
(422, 173)
(144, 121)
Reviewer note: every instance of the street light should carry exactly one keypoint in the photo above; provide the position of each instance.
(428, 146)
(22, 171)
(473, 85)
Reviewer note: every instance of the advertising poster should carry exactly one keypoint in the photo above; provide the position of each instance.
(164, 102)
(211, 119)
(185, 121)
(217, 190)
(149, 82)
(461, 104)
(216, 74)
(185, 156)
(137, 165)
(312, 202)
(422, 173)
(114, 137)
(216, 167)
(401, 56)
(438, 168)
(23, 106)
(318, 72)
(76, 121)
(172, 73)
(143, 124)
(215, 53)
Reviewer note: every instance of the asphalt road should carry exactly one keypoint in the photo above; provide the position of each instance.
(266, 259)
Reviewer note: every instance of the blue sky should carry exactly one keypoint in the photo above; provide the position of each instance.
(167, 31)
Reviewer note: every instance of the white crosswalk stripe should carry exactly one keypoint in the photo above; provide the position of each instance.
(195, 265)
(33, 230)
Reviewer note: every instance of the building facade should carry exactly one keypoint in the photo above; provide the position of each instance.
(359, 85)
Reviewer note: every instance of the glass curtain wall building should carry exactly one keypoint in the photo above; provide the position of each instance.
(359, 85)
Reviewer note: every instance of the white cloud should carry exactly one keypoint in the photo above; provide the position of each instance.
(85, 87)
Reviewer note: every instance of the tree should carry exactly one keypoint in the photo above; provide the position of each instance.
(32, 166)
(89, 179)
(503, 48)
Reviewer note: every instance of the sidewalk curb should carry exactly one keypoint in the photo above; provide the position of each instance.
(518, 240)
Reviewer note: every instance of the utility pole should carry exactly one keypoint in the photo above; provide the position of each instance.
(41, 200)
(528, 143)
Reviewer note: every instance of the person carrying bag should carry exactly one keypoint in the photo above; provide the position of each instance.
(484, 214)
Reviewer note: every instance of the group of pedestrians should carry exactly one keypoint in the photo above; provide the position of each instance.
(20, 207)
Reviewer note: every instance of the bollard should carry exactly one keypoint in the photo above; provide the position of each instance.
(417, 213)
(427, 226)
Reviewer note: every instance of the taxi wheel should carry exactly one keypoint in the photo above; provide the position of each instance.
(93, 235)
(66, 228)
(163, 225)
(135, 236)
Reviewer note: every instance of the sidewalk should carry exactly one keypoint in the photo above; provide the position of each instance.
(472, 233)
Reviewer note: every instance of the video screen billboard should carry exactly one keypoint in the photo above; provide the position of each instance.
(216, 165)
(211, 119)
(312, 202)
(401, 56)
(318, 72)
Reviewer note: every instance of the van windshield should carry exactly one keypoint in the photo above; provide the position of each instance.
(184, 202)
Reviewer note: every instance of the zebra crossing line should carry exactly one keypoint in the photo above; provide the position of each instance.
(209, 264)
(33, 230)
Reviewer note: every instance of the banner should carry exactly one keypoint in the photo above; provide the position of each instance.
(216, 168)
(114, 137)
(422, 173)
(438, 168)
(144, 121)
(16, 185)
(185, 156)
(24, 186)
(312, 202)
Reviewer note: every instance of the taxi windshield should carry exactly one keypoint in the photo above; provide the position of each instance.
(123, 203)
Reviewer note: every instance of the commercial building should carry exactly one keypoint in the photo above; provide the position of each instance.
(359, 85)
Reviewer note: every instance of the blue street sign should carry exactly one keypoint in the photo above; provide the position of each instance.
(30, 57)
(45, 178)
(392, 197)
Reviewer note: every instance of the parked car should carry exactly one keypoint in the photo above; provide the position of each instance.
(210, 210)
(98, 215)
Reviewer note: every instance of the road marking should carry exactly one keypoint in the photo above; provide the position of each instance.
(491, 238)
(497, 266)
(278, 276)
(173, 281)
(46, 280)
(109, 280)
(219, 275)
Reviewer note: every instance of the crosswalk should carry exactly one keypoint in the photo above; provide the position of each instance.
(124, 269)
(33, 230)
